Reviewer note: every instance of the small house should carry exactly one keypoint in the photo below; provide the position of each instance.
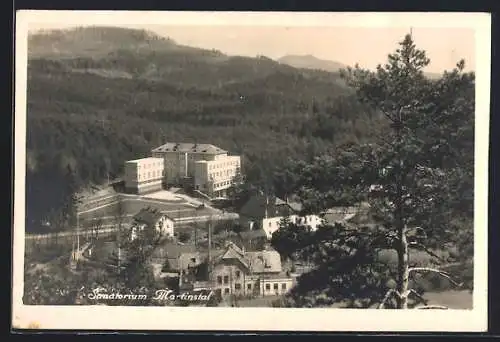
(154, 220)
(266, 212)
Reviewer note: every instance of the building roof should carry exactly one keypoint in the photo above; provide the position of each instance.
(356, 214)
(172, 254)
(148, 216)
(233, 252)
(257, 206)
(136, 161)
(268, 261)
(331, 217)
(187, 260)
(295, 206)
(253, 234)
(189, 148)
(261, 262)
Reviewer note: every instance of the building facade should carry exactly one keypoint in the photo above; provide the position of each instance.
(143, 175)
(209, 168)
(214, 177)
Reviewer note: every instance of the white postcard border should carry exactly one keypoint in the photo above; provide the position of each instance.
(261, 319)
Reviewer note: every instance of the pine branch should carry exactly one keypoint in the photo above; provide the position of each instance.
(421, 247)
(418, 295)
(441, 273)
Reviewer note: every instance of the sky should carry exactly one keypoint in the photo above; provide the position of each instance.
(368, 46)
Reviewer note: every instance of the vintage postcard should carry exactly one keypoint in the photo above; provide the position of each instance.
(216, 171)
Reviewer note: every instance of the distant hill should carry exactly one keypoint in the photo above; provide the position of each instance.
(93, 41)
(132, 53)
(311, 62)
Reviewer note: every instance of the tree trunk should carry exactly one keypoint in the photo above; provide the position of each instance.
(403, 266)
(402, 282)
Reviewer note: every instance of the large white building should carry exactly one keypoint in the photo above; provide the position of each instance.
(216, 176)
(209, 168)
(144, 175)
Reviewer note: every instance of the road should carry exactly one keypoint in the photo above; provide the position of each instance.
(108, 228)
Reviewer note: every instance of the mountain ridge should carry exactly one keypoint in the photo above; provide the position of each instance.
(309, 61)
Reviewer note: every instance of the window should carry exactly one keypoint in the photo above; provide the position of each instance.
(237, 286)
(268, 287)
(270, 224)
(226, 290)
(283, 286)
(238, 274)
(249, 286)
(275, 286)
(226, 279)
(219, 280)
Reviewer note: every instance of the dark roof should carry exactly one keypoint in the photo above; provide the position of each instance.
(256, 207)
(190, 148)
(331, 217)
(253, 234)
(148, 216)
(266, 261)
(187, 260)
(358, 213)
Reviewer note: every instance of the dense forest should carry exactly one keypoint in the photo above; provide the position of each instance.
(98, 96)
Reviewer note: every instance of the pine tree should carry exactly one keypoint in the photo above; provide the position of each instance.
(417, 179)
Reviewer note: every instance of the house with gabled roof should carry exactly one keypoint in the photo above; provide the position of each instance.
(266, 212)
(258, 273)
(153, 220)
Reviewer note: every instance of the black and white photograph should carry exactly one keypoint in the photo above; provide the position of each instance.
(196, 165)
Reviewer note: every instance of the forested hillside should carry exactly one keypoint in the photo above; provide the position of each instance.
(99, 96)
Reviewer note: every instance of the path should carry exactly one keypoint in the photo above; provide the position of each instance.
(108, 228)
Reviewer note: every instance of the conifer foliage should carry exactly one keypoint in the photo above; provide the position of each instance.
(417, 179)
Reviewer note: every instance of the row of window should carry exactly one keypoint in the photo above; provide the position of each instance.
(150, 174)
(231, 172)
(222, 165)
(218, 185)
(150, 165)
(226, 278)
(298, 220)
(275, 286)
(237, 286)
